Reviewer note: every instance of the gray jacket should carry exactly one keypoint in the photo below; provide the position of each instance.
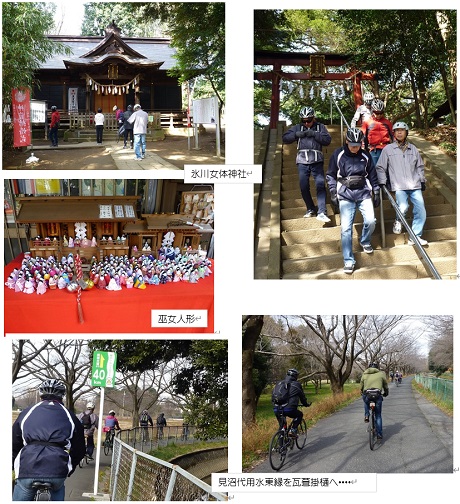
(405, 170)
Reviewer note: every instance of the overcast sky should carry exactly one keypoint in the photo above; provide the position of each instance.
(72, 14)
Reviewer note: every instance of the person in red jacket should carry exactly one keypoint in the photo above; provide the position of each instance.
(378, 130)
(55, 122)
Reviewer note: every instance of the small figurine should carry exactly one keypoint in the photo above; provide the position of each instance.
(71, 242)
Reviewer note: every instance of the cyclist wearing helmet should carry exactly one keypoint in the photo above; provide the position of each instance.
(111, 421)
(296, 394)
(363, 111)
(402, 164)
(144, 421)
(378, 131)
(90, 422)
(353, 184)
(48, 443)
(310, 136)
(373, 379)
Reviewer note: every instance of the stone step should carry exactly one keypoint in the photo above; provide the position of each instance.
(446, 267)
(432, 222)
(311, 236)
(389, 256)
(332, 244)
(431, 198)
(388, 212)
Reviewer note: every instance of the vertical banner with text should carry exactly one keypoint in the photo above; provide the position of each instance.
(21, 117)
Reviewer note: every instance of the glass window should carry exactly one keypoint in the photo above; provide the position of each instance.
(120, 187)
(108, 187)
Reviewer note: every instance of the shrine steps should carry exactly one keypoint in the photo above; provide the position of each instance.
(310, 249)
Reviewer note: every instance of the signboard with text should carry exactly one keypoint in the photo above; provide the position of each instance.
(104, 369)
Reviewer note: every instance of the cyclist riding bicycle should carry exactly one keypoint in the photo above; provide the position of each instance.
(372, 379)
(289, 405)
(111, 423)
(90, 422)
(48, 443)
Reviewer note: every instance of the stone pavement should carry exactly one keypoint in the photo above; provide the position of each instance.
(124, 159)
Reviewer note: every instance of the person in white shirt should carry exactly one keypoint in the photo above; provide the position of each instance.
(99, 122)
(140, 120)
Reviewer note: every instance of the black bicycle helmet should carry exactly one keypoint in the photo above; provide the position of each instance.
(374, 365)
(354, 136)
(52, 387)
(293, 372)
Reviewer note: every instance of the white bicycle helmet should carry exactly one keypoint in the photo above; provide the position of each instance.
(377, 105)
(401, 125)
(307, 112)
(368, 97)
(354, 136)
(90, 405)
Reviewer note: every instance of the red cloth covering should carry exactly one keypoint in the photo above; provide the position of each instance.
(104, 311)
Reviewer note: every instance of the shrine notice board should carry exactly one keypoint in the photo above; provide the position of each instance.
(104, 311)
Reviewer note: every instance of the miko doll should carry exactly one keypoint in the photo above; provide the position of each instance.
(113, 285)
(11, 282)
(41, 286)
(29, 287)
(19, 285)
(52, 282)
(129, 281)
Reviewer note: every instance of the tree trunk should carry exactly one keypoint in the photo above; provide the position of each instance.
(250, 336)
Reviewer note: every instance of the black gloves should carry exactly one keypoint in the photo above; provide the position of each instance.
(385, 393)
(335, 201)
(376, 199)
(304, 133)
(423, 186)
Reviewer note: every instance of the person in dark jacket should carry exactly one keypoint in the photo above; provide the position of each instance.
(48, 443)
(144, 421)
(374, 379)
(296, 395)
(353, 184)
(128, 127)
(310, 136)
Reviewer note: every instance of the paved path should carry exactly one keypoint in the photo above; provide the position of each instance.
(417, 438)
(124, 159)
(82, 480)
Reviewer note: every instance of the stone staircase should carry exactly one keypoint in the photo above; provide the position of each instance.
(310, 249)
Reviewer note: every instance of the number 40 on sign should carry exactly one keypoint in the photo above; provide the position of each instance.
(104, 369)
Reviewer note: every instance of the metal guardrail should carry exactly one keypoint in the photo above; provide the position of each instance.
(425, 258)
(136, 476)
(149, 438)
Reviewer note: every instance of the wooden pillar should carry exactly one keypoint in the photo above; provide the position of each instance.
(357, 92)
(275, 98)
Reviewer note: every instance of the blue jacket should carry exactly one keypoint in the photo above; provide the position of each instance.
(344, 163)
(48, 441)
(309, 148)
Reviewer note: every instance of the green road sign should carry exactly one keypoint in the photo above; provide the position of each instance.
(104, 369)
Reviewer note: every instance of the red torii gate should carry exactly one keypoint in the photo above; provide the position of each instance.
(318, 63)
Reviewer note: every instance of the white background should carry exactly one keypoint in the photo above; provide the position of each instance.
(236, 293)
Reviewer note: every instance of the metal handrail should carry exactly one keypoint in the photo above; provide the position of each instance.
(413, 236)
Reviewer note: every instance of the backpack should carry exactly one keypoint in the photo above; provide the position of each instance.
(144, 418)
(86, 420)
(280, 394)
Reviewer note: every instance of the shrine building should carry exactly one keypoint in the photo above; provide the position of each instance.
(102, 72)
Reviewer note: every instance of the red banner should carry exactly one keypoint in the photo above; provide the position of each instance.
(21, 117)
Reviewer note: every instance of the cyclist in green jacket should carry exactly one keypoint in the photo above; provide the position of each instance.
(373, 378)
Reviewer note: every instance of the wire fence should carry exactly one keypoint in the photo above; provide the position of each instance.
(136, 476)
(443, 389)
(150, 438)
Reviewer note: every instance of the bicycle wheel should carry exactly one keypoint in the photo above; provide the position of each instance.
(372, 431)
(278, 450)
(301, 438)
(106, 447)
